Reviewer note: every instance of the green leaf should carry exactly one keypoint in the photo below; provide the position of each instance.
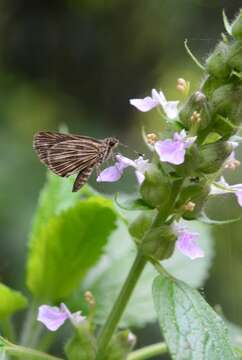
(10, 301)
(55, 197)
(227, 25)
(206, 220)
(192, 329)
(68, 245)
(106, 279)
(132, 204)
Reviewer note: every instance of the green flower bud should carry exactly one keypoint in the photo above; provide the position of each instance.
(120, 346)
(158, 243)
(237, 27)
(235, 56)
(193, 193)
(156, 188)
(217, 64)
(210, 84)
(82, 346)
(212, 156)
(141, 225)
(195, 104)
(227, 101)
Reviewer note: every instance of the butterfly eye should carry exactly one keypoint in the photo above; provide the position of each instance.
(113, 142)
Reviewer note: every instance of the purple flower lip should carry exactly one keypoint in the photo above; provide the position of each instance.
(170, 108)
(173, 150)
(187, 242)
(53, 316)
(222, 187)
(114, 173)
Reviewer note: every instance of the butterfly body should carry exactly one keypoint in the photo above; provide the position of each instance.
(67, 154)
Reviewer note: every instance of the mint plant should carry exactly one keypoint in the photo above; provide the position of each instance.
(92, 261)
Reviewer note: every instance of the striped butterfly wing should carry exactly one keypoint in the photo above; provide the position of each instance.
(67, 154)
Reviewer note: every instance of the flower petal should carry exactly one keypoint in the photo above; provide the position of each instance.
(140, 176)
(238, 192)
(145, 104)
(171, 109)
(171, 151)
(159, 97)
(110, 174)
(51, 316)
(186, 243)
(124, 162)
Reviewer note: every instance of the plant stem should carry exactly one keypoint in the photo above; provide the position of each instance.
(29, 325)
(109, 327)
(148, 351)
(8, 329)
(24, 352)
(27, 353)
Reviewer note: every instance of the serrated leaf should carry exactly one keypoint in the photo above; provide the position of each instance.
(11, 301)
(106, 279)
(192, 329)
(69, 244)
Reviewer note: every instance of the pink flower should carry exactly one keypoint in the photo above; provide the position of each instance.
(156, 99)
(114, 173)
(187, 242)
(53, 317)
(222, 187)
(173, 150)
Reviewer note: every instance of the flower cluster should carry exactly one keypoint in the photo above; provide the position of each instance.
(190, 156)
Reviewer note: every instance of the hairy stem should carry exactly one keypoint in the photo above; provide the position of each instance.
(148, 352)
(109, 327)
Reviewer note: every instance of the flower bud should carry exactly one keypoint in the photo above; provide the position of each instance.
(195, 105)
(217, 64)
(156, 188)
(192, 199)
(235, 56)
(90, 299)
(151, 138)
(227, 102)
(237, 27)
(120, 346)
(158, 243)
(212, 156)
(232, 164)
(140, 225)
(183, 86)
(196, 117)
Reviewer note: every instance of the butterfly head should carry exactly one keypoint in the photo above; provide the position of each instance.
(112, 142)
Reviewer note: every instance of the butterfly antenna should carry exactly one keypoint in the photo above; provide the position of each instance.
(134, 151)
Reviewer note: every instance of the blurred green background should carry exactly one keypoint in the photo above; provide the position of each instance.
(77, 62)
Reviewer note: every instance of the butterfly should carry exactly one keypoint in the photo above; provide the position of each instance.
(67, 154)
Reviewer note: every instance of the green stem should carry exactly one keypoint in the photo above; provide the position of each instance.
(109, 327)
(29, 325)
(148, 351)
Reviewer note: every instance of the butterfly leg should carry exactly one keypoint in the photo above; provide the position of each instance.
(98, 170)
